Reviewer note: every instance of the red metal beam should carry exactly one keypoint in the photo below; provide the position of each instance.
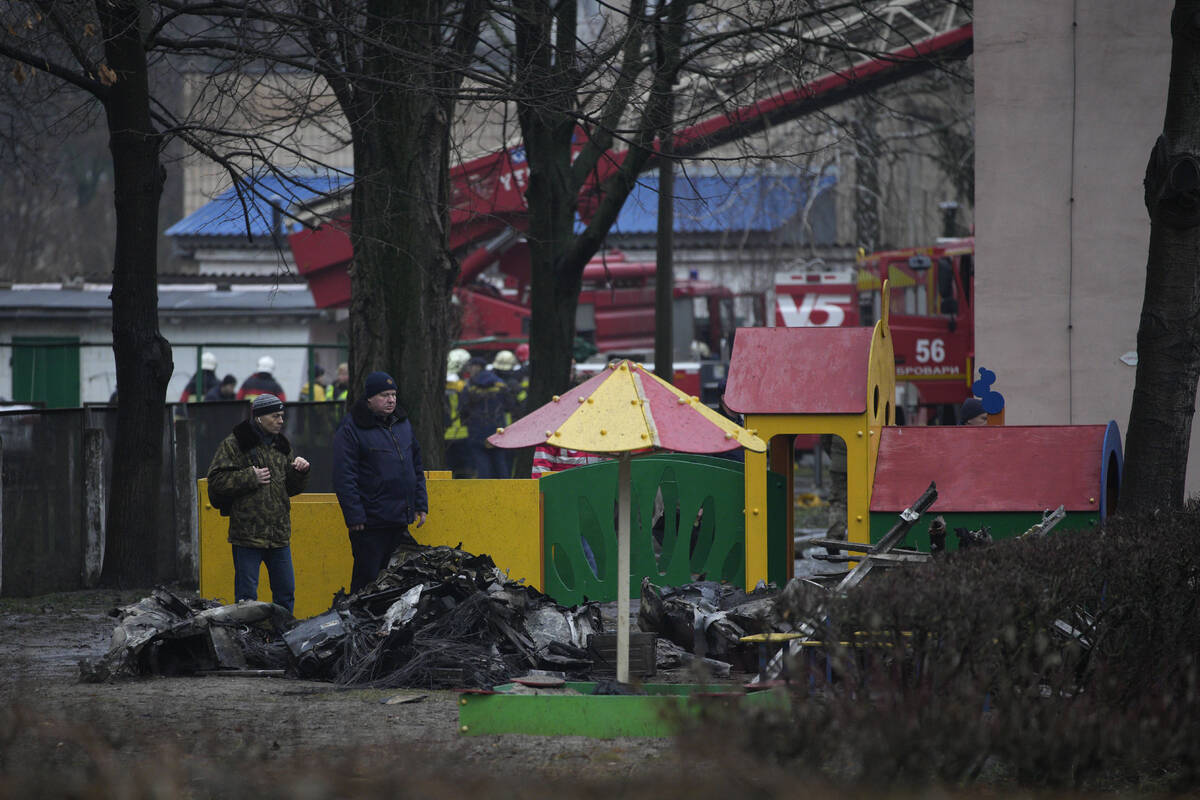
(488, 193)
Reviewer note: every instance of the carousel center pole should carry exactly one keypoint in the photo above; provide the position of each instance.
(623, 481)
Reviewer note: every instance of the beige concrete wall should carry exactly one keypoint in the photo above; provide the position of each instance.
(1069, 99)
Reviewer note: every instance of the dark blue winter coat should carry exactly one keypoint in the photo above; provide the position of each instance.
(377, 469)
(485, 404)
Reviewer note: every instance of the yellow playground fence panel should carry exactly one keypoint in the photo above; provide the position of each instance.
(501, 518)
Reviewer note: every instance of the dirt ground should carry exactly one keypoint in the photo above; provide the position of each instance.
(225, 736)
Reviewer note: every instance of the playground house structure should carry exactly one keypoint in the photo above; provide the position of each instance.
(789, 381)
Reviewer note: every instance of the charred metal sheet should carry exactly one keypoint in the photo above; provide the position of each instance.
(315, 634)
(225, 647)
(706, 618)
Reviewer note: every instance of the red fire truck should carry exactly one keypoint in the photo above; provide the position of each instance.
(615, 312)
(932, 310)
(616, 306)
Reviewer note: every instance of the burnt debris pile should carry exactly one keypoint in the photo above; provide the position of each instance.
(164, 634)
(436, 618)
(708, 619)
(442, 617)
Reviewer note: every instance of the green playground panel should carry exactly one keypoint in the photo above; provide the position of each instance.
(580, 504)
(655, 714)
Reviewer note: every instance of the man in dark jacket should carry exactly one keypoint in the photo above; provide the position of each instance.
(378, 477)
(225, 390)
(254, 466)
(485, 405)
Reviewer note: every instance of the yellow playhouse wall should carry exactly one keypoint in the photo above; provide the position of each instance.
(501, 518)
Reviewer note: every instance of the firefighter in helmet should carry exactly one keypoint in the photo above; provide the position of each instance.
(508, 369)
(458, 457)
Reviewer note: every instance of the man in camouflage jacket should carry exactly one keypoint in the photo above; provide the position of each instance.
(254, 465)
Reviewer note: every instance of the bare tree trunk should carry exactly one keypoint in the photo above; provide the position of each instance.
(547, 82)
(402, 276)
(547, 127)
(555, 283)
(143, 356)
(1160, 419)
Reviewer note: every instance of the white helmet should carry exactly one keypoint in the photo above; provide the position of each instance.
(457, 359)
(505, 361)
(208, 361)
(266, 364)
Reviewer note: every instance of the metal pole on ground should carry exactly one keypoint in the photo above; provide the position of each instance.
(94, 506)
(187, 509)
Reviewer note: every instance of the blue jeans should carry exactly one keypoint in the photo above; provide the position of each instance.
(246, 561)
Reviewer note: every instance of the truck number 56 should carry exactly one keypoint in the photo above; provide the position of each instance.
(931, 350)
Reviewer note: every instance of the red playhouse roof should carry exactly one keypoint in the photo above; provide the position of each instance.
(998, 468)
(799, 371)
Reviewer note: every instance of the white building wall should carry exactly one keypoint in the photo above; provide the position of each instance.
(1069, 100)
(236, 338)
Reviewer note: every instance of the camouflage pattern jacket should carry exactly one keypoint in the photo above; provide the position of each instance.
(261, 513)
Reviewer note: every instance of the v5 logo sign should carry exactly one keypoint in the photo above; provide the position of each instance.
(814, 311)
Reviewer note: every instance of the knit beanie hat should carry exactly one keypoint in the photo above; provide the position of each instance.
(378, 382)
(266, 404)
(972, 407)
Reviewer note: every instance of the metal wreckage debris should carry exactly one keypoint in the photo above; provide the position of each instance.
(164, 634)
(436, 618)
(444, 618)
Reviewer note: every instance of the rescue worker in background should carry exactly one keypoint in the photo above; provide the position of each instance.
(225, 390)
(340, 389)
(379, 478)
(255, 466)
(458, 453)
(972, 413)
(484, 405)
(207, 377)
(262, 382)
(319, 391)
(508, 369)
(522, 354)
(524, 370)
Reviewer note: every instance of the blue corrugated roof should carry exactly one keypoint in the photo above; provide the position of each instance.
(703, 203)
(265, 299)
(226, 215)
(721, 202)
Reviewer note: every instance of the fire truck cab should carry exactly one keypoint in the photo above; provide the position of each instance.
(932, 312)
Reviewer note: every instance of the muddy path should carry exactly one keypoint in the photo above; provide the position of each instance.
(204, 732)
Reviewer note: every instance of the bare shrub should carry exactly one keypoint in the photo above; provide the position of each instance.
(1062, 662)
